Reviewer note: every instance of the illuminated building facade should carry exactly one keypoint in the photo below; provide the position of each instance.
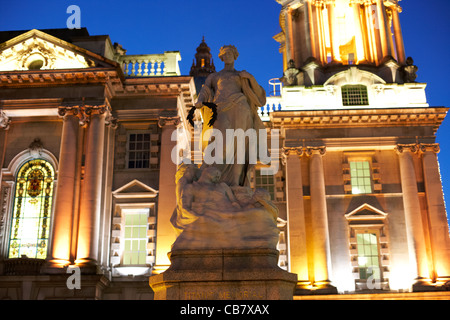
(87, 178)
(364, 202)
(86, 167)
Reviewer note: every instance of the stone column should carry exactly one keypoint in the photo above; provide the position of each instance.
(298, 259)
(400, 46)
(359, 42)
(165, 234)
(334, 51)
(413, 215)
(437, 217)
(310, 27)
(88, 228)
(319, 218)
(60, 254)
(383, 28)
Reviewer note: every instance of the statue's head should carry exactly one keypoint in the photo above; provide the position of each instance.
(228, 49)
(211, 174)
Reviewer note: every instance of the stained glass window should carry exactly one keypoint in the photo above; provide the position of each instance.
(32, 210)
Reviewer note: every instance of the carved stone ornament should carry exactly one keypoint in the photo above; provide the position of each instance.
(429, 147)
(412, 147)
(292, 151)
(409, 71)
(291, 75)
(4, 120)
(35, 148)
(163, 121)
(321, 150)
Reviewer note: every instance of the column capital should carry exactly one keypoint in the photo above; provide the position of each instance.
(92, 110)
(429, 147)
(4, 120)
(287, 151)
(320, 150)
(167, 121)
(411, 147)
(64, 111)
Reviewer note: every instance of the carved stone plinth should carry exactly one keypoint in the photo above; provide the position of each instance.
(224, 274)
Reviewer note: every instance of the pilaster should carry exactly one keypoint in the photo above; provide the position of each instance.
(165, 234)
(437, 217)
(297, 244)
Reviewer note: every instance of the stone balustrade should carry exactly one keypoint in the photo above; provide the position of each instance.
(151, 65)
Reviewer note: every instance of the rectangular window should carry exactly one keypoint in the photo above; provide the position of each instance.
(139, 151)
(361, 177)
(265, 182)
(368, 257)
(135, 238)
(354, 95)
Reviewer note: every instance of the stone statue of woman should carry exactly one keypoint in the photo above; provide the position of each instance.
(238, 97)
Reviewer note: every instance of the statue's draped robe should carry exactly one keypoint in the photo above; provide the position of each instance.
(238, 111)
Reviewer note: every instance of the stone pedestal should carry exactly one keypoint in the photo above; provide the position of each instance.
(224, 274)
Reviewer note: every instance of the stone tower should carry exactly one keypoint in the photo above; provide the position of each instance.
(359, 152)
(203, 65)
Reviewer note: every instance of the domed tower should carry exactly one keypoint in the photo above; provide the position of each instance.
(203, 65)
(354, 118)
(324, 36)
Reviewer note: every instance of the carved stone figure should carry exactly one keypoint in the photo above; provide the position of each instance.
(215, 209)
(213, 215)
(238, 97)
(409, 71)
(292, 75)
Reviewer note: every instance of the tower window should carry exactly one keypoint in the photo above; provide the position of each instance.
(354, 95)
(32, 210)
(361, 177)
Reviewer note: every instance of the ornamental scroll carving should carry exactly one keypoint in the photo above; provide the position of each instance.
(4, 120)
(429, 147)
(412, 147)
(167, 121)
(321, 150)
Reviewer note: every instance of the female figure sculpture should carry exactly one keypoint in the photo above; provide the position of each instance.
(238, 97)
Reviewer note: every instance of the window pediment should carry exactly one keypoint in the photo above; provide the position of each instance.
(135, 189)
(366, 212)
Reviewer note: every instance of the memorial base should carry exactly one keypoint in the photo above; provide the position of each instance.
(224, 274)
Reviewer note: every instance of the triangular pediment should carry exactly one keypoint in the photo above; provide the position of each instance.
(366, 212)
(37, 50)
(135, 189)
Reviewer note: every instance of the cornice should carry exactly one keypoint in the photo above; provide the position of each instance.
(39, 78)
(325, 119)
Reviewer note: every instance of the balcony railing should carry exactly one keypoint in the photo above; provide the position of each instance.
(151, 65)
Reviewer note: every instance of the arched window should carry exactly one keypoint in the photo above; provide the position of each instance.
(32, 209)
